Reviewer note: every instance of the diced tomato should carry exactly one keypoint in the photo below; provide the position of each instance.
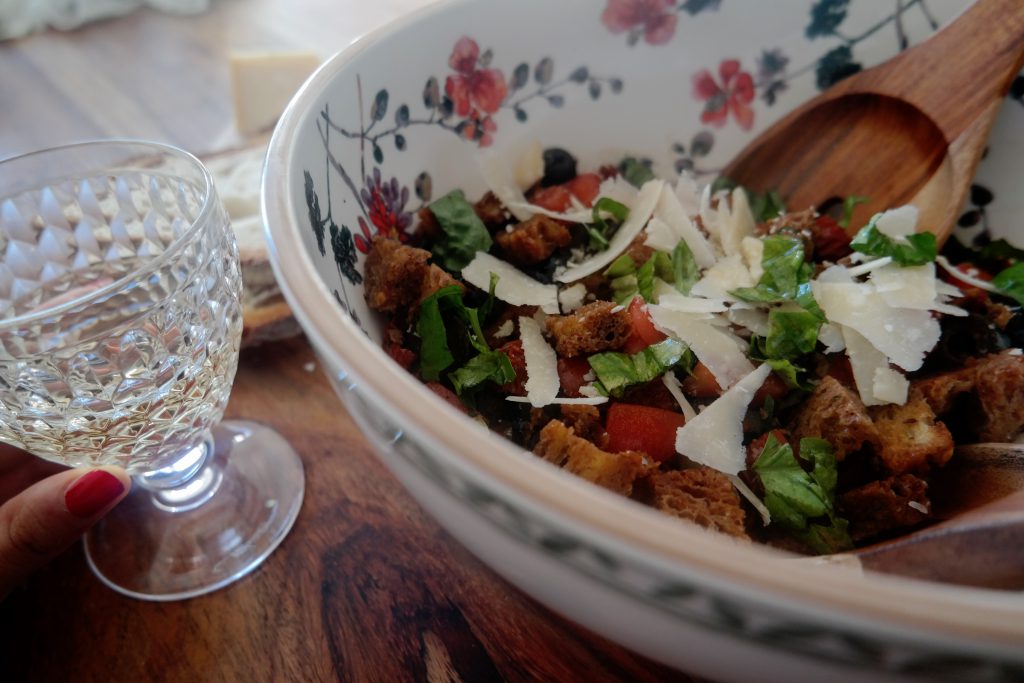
(643, 332)
(831, 242)
(447, 395)
(701, 383)
(632, 427)
(773, 386)
(517, 357)
(570, 374)
(558, 198)
(554, 198)
(585, 187)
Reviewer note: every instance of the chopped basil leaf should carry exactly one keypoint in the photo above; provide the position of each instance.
(782, 262)
(645, 279)
(463, 233)
(917, 250)
(1011, 282)
(848, 205)
(488, 305)
(791, 334)
(801, 501)
(435, 352)
(635, 171)
(601, 230)
(435, 355)
(623, 265)
(618, 371)
(489, 365)
(685, 271)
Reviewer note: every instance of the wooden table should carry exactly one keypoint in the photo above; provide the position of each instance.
(366, 587)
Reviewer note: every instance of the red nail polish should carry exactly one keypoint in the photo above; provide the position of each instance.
(92, 492)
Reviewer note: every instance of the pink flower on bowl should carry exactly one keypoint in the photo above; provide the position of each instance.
(472, 88)
(656, 18)
(735, 94)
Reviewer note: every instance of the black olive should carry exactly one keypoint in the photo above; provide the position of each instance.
(559, 167)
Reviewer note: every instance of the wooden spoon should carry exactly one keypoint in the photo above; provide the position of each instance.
(976, 546)
(911, 130)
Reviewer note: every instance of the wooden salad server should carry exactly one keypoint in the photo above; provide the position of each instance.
(911, 130)
(980, 546)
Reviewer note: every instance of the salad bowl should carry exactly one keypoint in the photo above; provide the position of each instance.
(403, 116)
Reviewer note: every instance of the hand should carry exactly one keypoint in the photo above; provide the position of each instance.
(44, 507)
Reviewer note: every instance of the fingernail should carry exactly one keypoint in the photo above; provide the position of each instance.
(92, 492)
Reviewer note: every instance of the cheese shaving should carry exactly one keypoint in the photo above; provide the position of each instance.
(499, 180)
(571, 298)
(514, 287)
(670, 212)
(965, 277)
(639, 214)
(715, 437)
(721, 351)
(676, 389)
(541, 364)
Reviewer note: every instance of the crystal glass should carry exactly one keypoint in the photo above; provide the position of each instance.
(120, 321)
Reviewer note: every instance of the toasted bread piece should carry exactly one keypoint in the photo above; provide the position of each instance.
(614, 471)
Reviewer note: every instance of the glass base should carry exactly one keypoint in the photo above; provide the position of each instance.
(171, 544)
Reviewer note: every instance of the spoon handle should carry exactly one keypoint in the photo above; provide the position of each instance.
(977, 56)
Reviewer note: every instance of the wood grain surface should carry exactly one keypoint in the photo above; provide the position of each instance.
(366, 587)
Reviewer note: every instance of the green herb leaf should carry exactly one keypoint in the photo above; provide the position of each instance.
(849, 204)
(635, 171)
(464, 234)
(782, 263)
(488, 305)
(1001, 249)
(493, 366)
(1011, 282)
(435, 356)
(601, 231)
(919, 248)
(618, 371)
(791, 334)
(801, 501)
(645, 279)
(685, 271)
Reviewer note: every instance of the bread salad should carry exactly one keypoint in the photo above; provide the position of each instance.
(706, 351)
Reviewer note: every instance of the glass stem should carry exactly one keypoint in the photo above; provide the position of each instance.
(186, 483)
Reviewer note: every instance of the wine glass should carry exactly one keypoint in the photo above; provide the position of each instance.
(120, 321)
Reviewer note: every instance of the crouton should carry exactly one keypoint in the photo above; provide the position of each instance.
(599, 326)
(909, 437)
(617, 472)
(491, 211)
(886, 505)
(394, 274)
(585, 421)
(982, 402)
(533, 240)
(834, 413)
(701, 495)
(398, 276)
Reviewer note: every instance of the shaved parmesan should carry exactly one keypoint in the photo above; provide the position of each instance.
(715, 437)
(639, 214)
(904, 335)
(735, 221)
(753, 319)
(727, 274)
(744, 490)
(721, 351)
(559, 401)
(898, 222)
(671, 212)
(506, 330)
(618, 189)
(499, 180)
(530, 168)
(832, 337)
(865, 361)
(660, 236)
(890, 386)
(910, 287)
(966, 277)
(571, 298)
(867, 267)
(541, 364)
(676, 389)
(688, 193)
(752, 250)
(670, 298)
(514, 286)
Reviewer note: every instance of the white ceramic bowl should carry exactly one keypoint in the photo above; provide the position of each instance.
(369, 138)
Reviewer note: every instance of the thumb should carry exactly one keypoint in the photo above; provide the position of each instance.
(44, 519)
